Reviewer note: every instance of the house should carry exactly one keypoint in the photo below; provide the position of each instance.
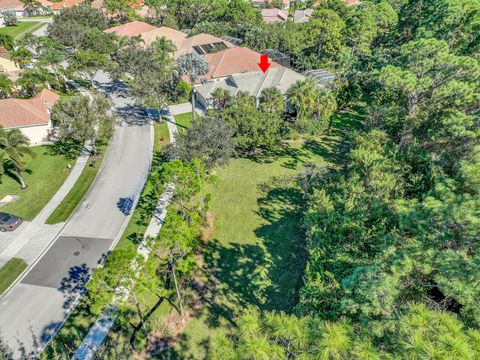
(202, 44)
(63, 4)
(252, 82)
(271, 16)
(133, 28)
(236, 60)
(18, 7)
(302, 16)
(7, 66)
(265, 3)
(31, 116)
(175, 36)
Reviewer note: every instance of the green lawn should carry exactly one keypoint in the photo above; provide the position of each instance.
(21, 28)
(184, 121)
(45, 175)
(161, 136)
(255, 256)
(10, 271)
(76, 193)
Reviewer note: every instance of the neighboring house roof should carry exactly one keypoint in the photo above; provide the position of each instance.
(274, 15)
(18, 113)
(201, 44)
(65, 4)
(302, 16)
(348, 2)
(18, 5)
(132, 28)
(175, 36)
(6, 64)
(253, 82)
(286, 3)
(233, 61)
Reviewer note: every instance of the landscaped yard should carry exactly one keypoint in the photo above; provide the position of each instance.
(184, 121)
(45, 175)
(21, 28)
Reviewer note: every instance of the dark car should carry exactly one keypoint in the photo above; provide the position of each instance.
(9, 222)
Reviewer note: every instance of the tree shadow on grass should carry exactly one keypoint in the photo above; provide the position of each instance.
(284, 241)
(234, 275)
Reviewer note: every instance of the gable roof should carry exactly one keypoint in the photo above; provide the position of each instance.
(274, 15)
(231, 61)
(175, 36)
(132, 28)
(188, 45)
(253, 82)
(17, 113)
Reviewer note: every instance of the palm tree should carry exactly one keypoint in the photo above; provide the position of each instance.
(272, 100)
(302, 96)
(15, 145)
(21, 56)
(31, 7)
(193, 65)
(35, 80)
(6, 86)
(221, 98)
(7, 42)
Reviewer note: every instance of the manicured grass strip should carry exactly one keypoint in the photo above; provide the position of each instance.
(10, 272)
(45, 174)
(76, 193)
(20, 28)
(161, 137)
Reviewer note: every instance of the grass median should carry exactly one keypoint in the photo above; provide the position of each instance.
(10, 272)
(77, 192)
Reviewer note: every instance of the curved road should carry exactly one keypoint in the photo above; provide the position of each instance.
(37, 305)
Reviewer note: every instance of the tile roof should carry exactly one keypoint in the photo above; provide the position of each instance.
(187, 46)
(253, 82)
(65, 4)
(17, 113)
(231, 61)
(274, 15)
(175, 36)
(133, 28)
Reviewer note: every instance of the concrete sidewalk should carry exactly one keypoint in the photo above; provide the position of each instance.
(35, 236)
(178, 109)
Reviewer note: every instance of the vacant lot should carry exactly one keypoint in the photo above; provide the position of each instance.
(44, 176)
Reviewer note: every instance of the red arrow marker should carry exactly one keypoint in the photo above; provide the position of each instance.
(264, 64)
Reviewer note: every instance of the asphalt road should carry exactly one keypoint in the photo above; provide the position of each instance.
(37, 306)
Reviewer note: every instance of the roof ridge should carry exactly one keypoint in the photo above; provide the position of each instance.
(259, 87)
(219, 63)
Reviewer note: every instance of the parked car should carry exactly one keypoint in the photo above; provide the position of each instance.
(9, 222)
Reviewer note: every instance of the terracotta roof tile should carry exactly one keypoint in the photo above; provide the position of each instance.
(133, 28)
(27, 112)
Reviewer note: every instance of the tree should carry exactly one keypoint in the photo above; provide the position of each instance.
(9, 17)
(15, 145)
(313, 105)
(32, 7)
(87, 63)
(208, 139)
(272, 100)
(7, 42)
(32, 81)
(83, 120)
(329, 28)
(6, 86)
(119, 8)
(192, 65)
(21, 56)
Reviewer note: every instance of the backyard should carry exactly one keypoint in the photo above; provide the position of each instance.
(45, 174)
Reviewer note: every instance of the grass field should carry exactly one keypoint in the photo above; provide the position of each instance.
(76, 193)
(255, 255)
(161, 132)
(45, 175)
(10, 271)
(21, 28)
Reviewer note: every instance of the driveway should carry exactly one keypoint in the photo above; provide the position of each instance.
(37, 306)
